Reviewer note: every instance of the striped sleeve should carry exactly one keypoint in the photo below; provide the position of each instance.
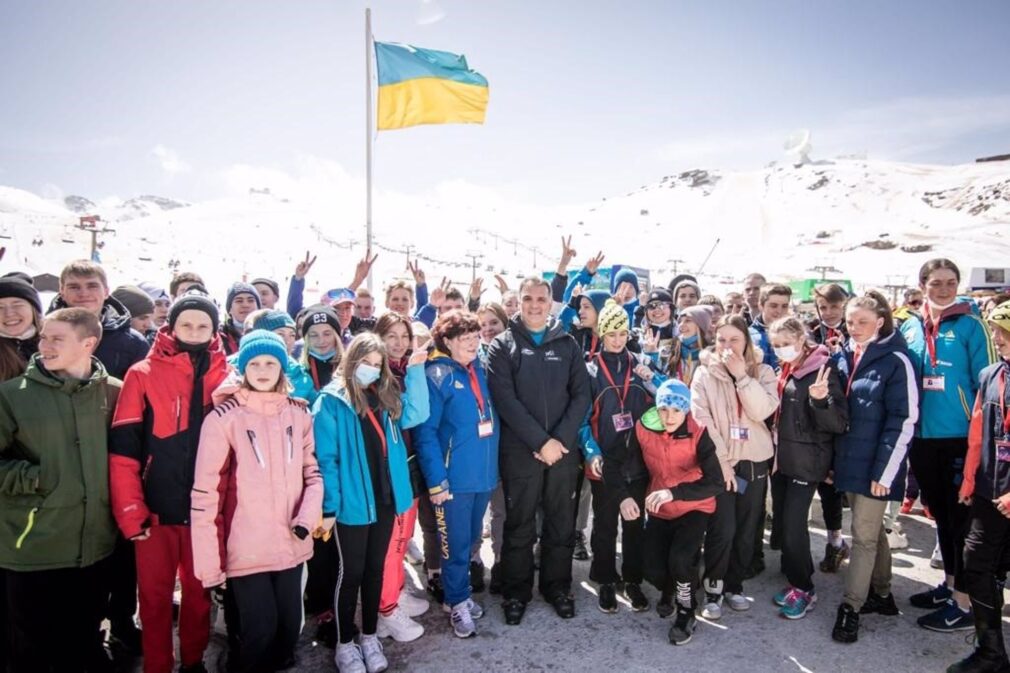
(901, 404)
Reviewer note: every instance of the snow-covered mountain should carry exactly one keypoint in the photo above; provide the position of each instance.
(874, 221)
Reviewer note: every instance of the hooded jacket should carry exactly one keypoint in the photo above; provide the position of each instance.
(683, 462)
(340, 450)
(54, 469)
(985, 473)
(451, 451)
(719, 403)
(883, 409)
(256, 479)
(301, 382)
(153, 442)
(807, 427)
(121, 346)
(963, 348)
(759, 335)
(540, 392)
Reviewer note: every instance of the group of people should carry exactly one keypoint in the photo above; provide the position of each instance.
(277, 460)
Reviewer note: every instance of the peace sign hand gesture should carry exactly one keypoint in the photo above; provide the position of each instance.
(819, 388)
(304, 267)
(415, 271)
(650, 341)
(437, 297)
(567, 255)
(593, 264)
(362, 269)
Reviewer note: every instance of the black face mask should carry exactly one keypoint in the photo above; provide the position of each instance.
(192, 348)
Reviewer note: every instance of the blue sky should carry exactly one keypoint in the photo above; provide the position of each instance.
(588, 98)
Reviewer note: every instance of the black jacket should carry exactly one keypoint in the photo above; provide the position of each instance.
(992, 478)
(121, 346)
(807, 427)
(606, 403)
(821, 332)
(540, 392)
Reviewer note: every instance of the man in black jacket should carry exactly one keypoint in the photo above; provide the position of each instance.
(540, 386)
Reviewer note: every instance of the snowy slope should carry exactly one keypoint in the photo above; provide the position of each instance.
(781, 220)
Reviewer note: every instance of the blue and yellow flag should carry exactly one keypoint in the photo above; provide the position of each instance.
(424, 86)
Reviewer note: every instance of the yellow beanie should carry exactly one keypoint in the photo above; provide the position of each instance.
(999, 316)
(613, 318)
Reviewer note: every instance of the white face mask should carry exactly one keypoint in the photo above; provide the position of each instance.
(367, 374)
(787, 353)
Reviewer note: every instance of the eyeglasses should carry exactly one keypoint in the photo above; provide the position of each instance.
(917, 303)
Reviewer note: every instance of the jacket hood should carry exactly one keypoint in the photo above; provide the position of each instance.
(652, 421)
(115, 316)
(555, 330)
(166, 346)
(37, 372)
(817, 358)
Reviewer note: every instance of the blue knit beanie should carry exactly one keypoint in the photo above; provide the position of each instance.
(261, 342)
(598, 298)
(625, 275)
(274, 320)
(675, 394)
(237, 289)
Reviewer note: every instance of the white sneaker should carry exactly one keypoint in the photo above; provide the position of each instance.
(348, 659)
(414, 606)
(476, 611)
(462, 621)
(712, 609)
(414, 554)
(896, 539)
(936, 560)
(738, 602)
(399, 626)
(371, 652)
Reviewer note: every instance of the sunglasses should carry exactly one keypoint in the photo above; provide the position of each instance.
(917, 303)
(654, 305)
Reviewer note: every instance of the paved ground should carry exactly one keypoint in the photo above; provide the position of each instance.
(755, 641)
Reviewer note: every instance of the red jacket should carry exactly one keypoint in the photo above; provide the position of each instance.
(683, 462)
(152, 448)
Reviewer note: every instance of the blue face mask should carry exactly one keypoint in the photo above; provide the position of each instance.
(367, 374)
(325, 357)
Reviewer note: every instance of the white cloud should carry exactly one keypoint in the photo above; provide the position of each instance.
(170, 161)
(429, 13)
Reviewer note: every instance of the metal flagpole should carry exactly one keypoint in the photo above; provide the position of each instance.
(368, 136)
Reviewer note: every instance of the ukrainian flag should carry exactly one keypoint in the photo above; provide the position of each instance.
(424, 86)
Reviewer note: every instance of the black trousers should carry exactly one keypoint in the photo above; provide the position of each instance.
(553, 489)
(323, 569)
(55, 617)
(795, 498)
(729, 539)
(606, 513)
(429, 534)
(362, 560)
(939, 466)
(122, 583)
(270, 616)
(986, 553)
(831, 505)
(673, 549)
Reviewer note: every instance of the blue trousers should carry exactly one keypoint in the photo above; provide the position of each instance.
(460, 522)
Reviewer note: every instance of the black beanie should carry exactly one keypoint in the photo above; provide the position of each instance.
(20, 275)
(193, 301)
(320, 315)
(13, 286)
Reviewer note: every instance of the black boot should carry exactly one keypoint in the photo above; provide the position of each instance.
(683, 626)
(580, 553)
(990, 652)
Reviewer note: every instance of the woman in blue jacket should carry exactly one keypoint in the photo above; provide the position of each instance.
(359, 421)
(458, 450)
(950, 346)
(869, 463)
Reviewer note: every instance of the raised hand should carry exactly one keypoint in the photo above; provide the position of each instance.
(567, 255)
(437, 297)
(735, 364)
(594, 263)
(362, 268)
(477, 289)
(819, 388)
(650, 341)
(503, 286)
(415, 271)
(304, 266)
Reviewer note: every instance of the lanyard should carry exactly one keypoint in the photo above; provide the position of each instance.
(475, 387)
(1002, 402)
(378, 429)
(931, 330)
(856, 357)
(314, 372)
(610, 379)
(592, 347)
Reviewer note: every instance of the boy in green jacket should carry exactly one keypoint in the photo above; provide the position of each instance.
(56, 525)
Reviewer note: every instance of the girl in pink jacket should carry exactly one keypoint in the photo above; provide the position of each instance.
(257, 495)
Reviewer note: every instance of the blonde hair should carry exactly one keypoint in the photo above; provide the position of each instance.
(387, 388)
(790, 325)
(283, 384)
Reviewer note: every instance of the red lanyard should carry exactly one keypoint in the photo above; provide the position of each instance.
(315, 374)
(931, 330)
(610, 379)
(1002, 402)
(856, 357)
(592, 347)
(379, 430)
(475, 387)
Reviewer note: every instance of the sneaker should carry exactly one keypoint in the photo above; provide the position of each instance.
(936, 560)
(906, 505)
(633, 592)
(477, 584)
(580, 553)
(607, 599)
(435, 587)
(881, 605)
(348, 659)
(712, 609)
(476, 611)
(948, 619)
(494, 587)
(781, 597)
(738, 602)
(414, 554)
(462, 621)
(798, 604)
(664, 607)
(896, 539)
(932, 598)
(682, 628)
(846, 628)
(398, 626)
(413, 606)
(371, 652)
(833, 557)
